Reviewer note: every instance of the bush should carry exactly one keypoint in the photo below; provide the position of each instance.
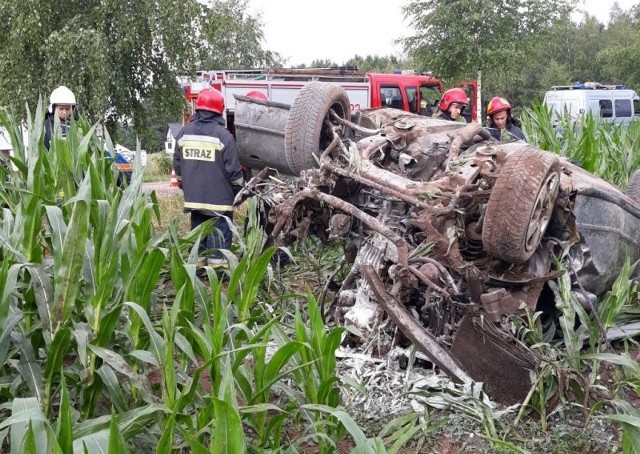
(158, 167)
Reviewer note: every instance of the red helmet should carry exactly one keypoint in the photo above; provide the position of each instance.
(498, 104)
(210, 99)
(257, 95)
(453, 95)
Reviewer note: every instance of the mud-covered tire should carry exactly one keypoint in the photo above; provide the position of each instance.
(520, 205)
(306, 133)
(633, 190)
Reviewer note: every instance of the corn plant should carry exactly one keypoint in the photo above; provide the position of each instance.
(74, 246)
(610, 151)
(92, 359)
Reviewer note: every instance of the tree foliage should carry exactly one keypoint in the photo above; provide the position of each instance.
(522, 47)
(233, 38)
(376, 63)
(457, 37)
(118, 55)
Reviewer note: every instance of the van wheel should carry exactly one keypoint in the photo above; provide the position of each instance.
(306, 133)
(634, 186)
(520, 205)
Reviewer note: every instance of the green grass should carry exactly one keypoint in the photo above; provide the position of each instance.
(158, 167)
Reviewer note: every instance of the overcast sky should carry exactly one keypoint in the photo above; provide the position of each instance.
(336, 30)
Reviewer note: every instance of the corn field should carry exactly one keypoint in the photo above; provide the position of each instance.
(112, 340)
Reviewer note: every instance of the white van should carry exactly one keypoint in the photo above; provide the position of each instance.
(611, 103)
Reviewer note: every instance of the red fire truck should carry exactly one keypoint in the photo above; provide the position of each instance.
(404, 90)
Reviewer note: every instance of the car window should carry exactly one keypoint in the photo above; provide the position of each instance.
(636, 107)
(429, 99)
(391, 97)
(412, 98)
(606, 109)
(623, 108)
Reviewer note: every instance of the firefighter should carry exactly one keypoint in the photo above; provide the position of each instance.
(208, 171)
(256, 94)
(62, 103)
(425, 109)
(452, 104)
(502, 125)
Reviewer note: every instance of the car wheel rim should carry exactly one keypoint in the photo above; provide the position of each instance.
(541, 214)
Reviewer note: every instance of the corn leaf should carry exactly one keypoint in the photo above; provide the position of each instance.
(194, 445)
(228, 436)
(64, 425)
(94, 442)
(5, 335)
(26, 421)
(29, 442)
(42, 285)
(52, 443)
(56, 353)
(58, 232)
(114, 387)
(29, 367)
(8, 284)
(362, 443)
(117, 444)
(157, 342)
(66, 275)
(166, 440)
(119, 364)
(130, 423)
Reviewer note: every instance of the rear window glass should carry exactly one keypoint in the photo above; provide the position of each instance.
(606, 109)
(623, 108)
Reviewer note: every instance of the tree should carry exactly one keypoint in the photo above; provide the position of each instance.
(118, 54)
(618, 54)
(233, 38)
(587, 39)
(455, 38)
(376, 63)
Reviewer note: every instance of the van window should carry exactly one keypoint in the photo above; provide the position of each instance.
(636, 107)
(623, 108)
(606, 109)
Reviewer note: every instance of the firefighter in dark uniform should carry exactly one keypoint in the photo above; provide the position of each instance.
(502, 126)
(452, 104)
(208, 171)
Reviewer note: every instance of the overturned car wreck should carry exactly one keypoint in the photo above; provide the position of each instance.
(445, 231)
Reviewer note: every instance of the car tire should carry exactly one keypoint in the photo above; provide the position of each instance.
(306, 133)
(633, 190)
(520, 205)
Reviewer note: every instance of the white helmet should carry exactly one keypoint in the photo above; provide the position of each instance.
(61, 95)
